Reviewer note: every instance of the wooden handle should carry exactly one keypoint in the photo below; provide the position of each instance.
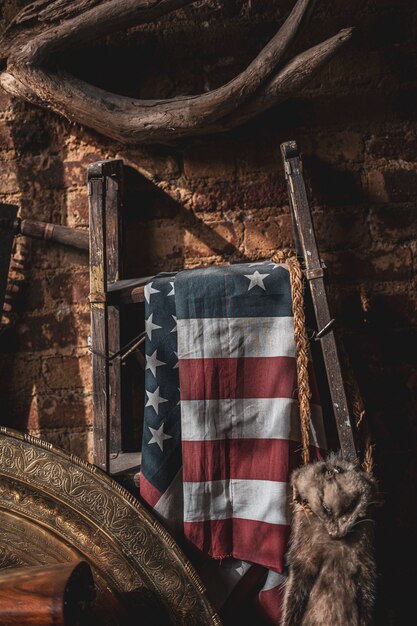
(54, 232)
(47, 595)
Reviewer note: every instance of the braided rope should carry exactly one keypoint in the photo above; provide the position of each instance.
(301, 342)
(289, 257)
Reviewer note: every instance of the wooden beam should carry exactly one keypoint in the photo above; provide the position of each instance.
(314, 271)
(115, 248)
(102, 194)
(8, 214)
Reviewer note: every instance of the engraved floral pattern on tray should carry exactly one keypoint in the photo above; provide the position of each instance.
(77, 505)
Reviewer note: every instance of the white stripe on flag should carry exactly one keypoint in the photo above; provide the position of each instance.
(170, 506)
(235, 337)
(273, 580)
(257, 418)
(258, 500)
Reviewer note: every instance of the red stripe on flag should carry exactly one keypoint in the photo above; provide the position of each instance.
(215, 379)
(148, 492)
(250, 377)
(252, 459)
(249, 540)
(243, 594)
(269, 604)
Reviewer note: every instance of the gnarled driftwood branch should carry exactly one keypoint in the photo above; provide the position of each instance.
(42, 30)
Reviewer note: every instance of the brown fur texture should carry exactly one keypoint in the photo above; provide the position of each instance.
(331, 565)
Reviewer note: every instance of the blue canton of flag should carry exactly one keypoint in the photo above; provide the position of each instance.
(161, 445)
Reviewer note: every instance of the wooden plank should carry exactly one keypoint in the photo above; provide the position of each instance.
(97, 191)
(8, 214)
(304, 228)
(114, 244)
(99, 325)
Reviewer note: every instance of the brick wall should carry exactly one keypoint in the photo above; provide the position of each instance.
(224, 197)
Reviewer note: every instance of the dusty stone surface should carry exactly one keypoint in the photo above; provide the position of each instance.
(223, 198)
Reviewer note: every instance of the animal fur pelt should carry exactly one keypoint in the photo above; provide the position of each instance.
(331, 565)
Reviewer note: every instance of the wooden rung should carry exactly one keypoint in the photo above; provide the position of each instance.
(125, 462)
(127, 291)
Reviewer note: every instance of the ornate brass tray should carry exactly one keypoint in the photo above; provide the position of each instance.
(55, 508)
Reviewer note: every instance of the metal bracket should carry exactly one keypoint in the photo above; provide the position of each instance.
(323, 332)
(314, 272)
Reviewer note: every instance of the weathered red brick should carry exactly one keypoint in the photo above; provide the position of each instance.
(66, 373)
(154, 163)
(217, 160)
(75, 171)
(51, 411)
(45, 172)
(265, 233)
(32, 294)
(374, 184)
(71, 287)
(5, 101)
(341, 229)
(347, 306)
(393, 146)
(6, 136)
(10, 182)
(393, 223)
(149, 243)
(21, 374)
(401, 184)
(77, 208)
(32, 136)
(378, 265)
(339, 147)
(240, 195)
(220, 238)
(75, 441)
(50, 331)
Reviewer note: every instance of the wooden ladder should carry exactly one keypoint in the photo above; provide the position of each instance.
(110, 292)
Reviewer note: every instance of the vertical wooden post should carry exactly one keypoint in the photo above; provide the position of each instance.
(8, 214)
(115, 247)
(104, 180)
(314, 271)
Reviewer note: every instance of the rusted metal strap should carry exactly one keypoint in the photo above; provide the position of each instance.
(314, 272)
(49, 231)
(307, 250)
(125, 351)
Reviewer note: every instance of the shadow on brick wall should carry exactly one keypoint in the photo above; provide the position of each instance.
(45, 366)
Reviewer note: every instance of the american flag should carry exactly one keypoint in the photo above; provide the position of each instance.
(221, 429)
